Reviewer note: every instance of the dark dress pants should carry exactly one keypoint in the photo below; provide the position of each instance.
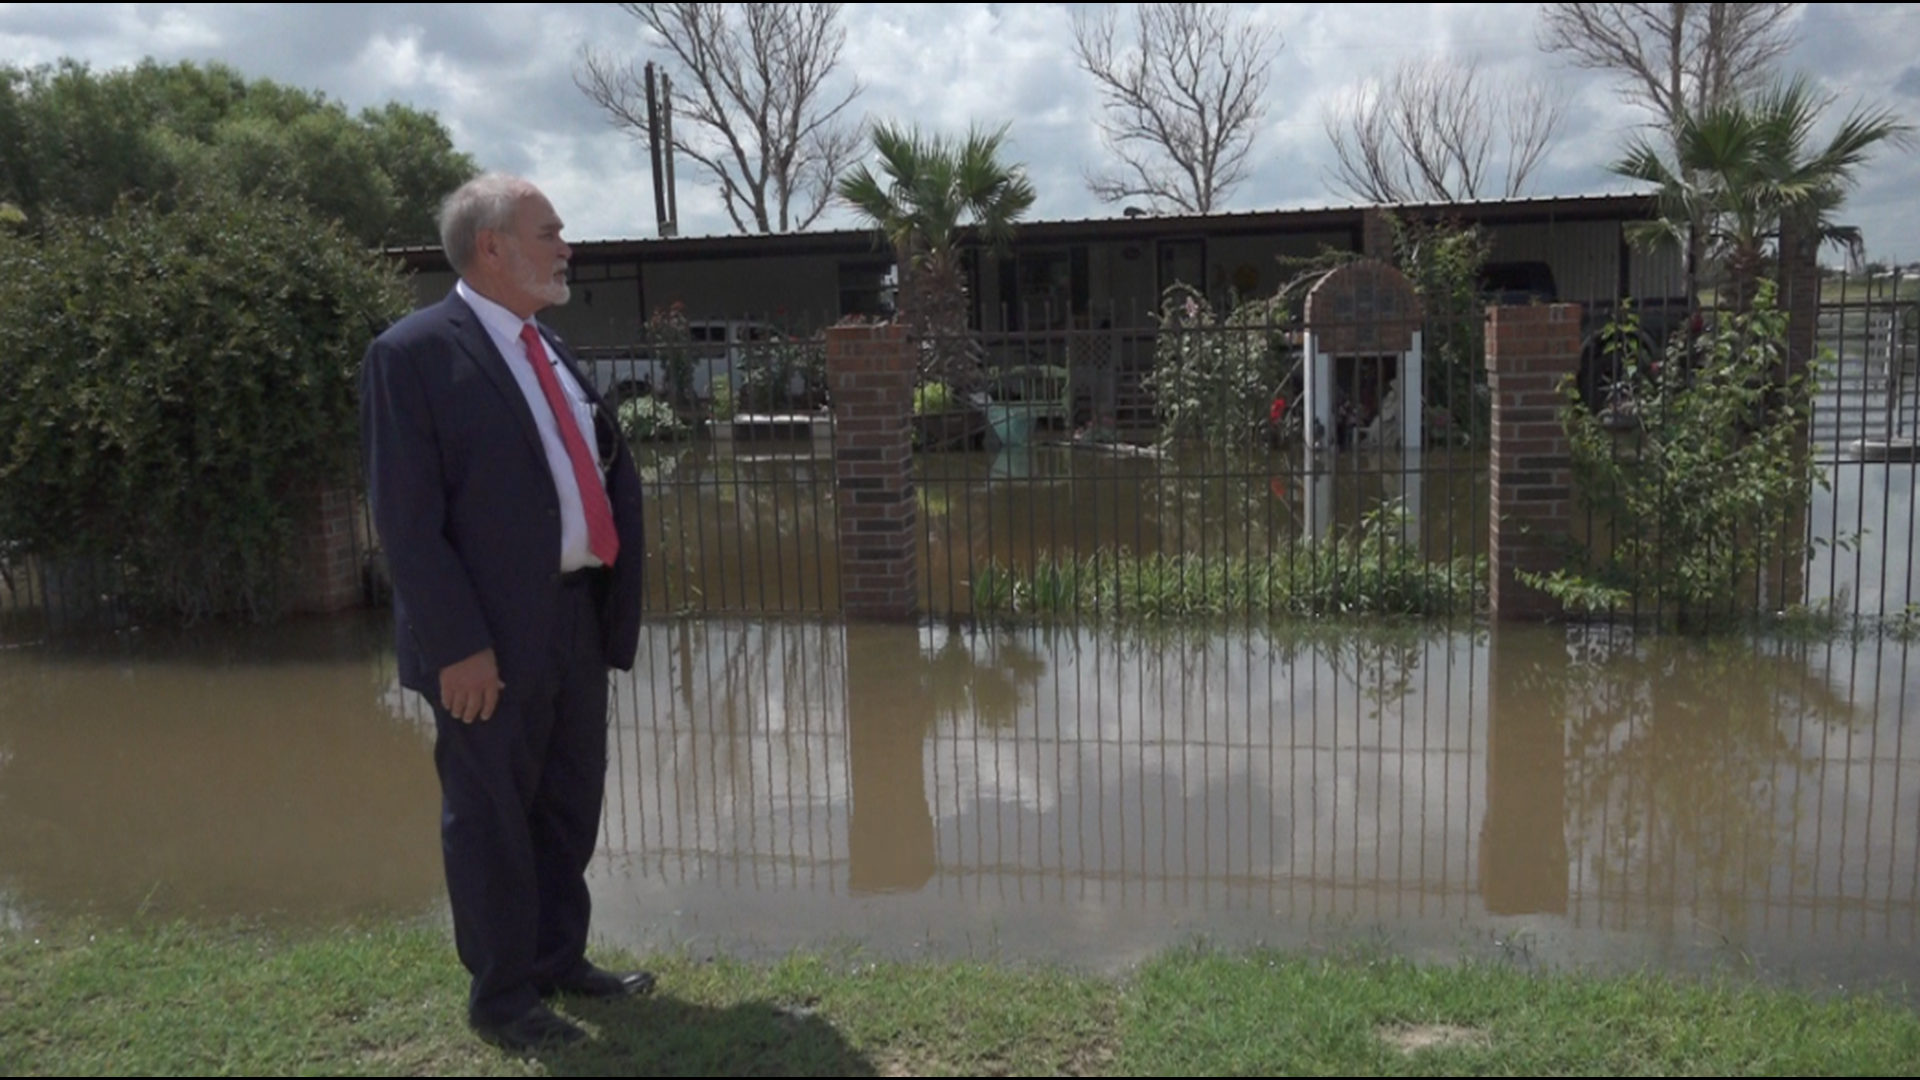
(520, 815)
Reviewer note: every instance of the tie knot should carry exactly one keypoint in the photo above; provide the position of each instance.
(529, 335)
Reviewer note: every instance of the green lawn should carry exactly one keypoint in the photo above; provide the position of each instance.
(389, 1000)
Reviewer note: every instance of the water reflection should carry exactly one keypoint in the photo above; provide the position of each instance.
(1098, 795)
(1055, 792)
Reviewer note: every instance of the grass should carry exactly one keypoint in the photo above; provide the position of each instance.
(77, 1000)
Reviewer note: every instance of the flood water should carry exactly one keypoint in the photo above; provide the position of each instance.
(1542, 796)
(752, 529)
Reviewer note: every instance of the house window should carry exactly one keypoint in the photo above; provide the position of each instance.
(867, 288)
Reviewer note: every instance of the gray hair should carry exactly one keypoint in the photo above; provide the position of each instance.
(485, 202)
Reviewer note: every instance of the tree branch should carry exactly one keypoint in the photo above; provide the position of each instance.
(751, 100)
(1181, 100)
(1434, 131)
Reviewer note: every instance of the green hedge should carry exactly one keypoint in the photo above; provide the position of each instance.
(172, 384)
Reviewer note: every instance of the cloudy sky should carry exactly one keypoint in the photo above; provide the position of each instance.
(500, 76)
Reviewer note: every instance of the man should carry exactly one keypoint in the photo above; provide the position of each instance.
(510, 516)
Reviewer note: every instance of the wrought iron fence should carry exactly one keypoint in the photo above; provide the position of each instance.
(1170, 463)
(1865, 432)
(1185, 470)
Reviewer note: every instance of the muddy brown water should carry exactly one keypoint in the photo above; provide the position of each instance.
(1092, 795)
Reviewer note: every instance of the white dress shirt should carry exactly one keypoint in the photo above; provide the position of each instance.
(503, 327)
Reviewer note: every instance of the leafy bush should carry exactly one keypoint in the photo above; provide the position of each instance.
(1702, 493)
(771, 366)
(646, 419)
(1213, 379)
(721, 403)
(173, 385)
(669, 339)
(1444, 263)
(932, 398)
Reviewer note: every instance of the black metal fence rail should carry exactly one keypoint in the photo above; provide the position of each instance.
(1866, 428)
(39, 598)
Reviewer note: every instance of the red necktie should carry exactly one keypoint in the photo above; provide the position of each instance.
(602, 539)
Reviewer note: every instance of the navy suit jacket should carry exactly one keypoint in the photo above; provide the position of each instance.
(465, 505)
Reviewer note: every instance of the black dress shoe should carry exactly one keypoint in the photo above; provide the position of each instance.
(539, 1028)
(592, 982)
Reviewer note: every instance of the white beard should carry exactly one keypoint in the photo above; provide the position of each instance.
(529, 277)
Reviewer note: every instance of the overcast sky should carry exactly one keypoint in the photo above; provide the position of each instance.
(500, 76)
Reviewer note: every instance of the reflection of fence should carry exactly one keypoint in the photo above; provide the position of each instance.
(1144, 787)
(39, 597)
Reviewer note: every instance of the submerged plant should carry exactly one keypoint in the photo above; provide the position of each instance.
(1372, 570)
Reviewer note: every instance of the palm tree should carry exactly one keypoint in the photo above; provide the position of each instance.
(929, 192)
(1746, 169)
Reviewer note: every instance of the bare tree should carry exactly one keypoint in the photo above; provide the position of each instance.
(1675, 59)
(1438, 131)
(1182, 99)
(751, 102)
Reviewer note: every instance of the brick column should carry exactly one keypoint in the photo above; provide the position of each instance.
(1376, 234)
(1800, 300)
(1799, 296)
(1530, 350)
(870, 373)
(327, 553)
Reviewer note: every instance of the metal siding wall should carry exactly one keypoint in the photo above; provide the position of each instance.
(1584, 255)
(804, 286)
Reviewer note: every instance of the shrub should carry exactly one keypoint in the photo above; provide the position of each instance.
(932, 398)
(645, 419)
(669, 340)
(1213, 379)
(1702, 492)
(721, 403)
(767, 384)
(173, 384)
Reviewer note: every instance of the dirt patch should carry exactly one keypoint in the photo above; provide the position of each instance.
(1413, 1038)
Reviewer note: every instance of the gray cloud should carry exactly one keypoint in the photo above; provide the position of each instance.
(500, 77)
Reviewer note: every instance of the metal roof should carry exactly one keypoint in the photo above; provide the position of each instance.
(1630, 206)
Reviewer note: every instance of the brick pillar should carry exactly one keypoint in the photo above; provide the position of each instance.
(870, 373)
(1800, 300)
(1799, 296)
(1530, 351)
(327, 553)
(1376, 234)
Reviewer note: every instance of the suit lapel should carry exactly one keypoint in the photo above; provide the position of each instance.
(475, 341)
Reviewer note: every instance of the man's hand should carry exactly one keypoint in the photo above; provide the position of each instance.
(470, 689)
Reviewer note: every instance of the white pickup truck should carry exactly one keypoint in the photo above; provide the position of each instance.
(720, 347)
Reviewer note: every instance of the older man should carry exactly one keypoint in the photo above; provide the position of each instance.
(509, 512)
